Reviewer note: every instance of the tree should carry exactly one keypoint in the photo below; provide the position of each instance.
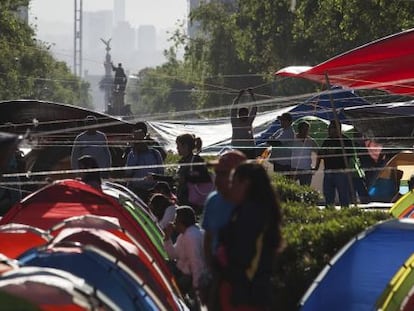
(28, 70)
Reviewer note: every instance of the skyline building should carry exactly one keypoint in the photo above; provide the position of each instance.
(119, 12)
(147, 38)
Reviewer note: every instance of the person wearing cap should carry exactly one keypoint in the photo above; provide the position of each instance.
(336, 152)
(93, 179)
(93, 143)
(145, 160)
(163, 187)
(242, 129)
(303, 148)
(281, 141)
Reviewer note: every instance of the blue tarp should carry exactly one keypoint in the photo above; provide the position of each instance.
(319, 106)
(356, 277)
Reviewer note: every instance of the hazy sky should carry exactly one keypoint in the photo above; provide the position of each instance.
(160, 13)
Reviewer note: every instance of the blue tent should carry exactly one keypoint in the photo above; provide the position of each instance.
(358, 274)
(319, 106)
(98, 269)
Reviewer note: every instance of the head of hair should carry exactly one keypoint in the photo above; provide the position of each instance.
(261, 192)
(158, 203)
(87, 161)
(243, 112)
(186, 216)
(91, 120)
(189, 140)
(303, 125)
(140, 126)
(119, 64)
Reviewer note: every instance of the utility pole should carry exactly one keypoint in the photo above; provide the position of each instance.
(77, 60)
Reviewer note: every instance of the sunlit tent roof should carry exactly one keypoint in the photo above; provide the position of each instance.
(404, 207)
(357, 275)
(97, 268)
(398, 288)
(386, 64)
(53, 289)
(17, 238)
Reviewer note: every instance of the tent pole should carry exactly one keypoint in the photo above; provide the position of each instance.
(344, 152)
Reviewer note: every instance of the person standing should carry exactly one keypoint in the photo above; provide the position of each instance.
(336, 152)
(217, 212)
(242, 126)
(250, 241)
(192, 168)
(302, 149)
(93, 143)
(145, 160)
(281, 142)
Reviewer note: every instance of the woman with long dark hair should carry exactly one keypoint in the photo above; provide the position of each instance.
(250, 241)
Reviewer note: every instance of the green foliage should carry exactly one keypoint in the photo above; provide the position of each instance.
(313, 236)
(241, 47)
(28, 70)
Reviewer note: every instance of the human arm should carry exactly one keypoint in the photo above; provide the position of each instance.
(106, 152)
(194, 253)
(75, 154)
(168, 217)
(253, 110)
(169, 247)
(160, 169)
(233, 110)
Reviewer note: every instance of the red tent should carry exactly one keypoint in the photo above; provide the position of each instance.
(17, 238)
(386, 64)
(67, 198)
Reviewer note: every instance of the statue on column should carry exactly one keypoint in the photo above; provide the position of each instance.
(106, 82)
(120, 79)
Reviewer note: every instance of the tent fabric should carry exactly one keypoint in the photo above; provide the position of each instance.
(320, 106)
(98, 269)
(384, 121)
(67, 198)
(398, 288)
(127, 253)
(17, 238)
(53, 289)
(387, 64)
(357, 275)
(9, 302)
(404, 207)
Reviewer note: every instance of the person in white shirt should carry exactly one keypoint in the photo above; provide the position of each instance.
(93, 143)
(187, 251)
(302, 149)
(163, 209)
(281, 141)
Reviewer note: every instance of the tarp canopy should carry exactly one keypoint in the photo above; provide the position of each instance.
(357, 275)
(387, 64)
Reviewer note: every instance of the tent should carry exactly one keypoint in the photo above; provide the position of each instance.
(53, 289)
(99, 269)
(151, 279)
(66, 198)
(398, 288)
(112, 225)
(10, 302)
(386, 64)
(359, 272)
(17, 238)
(319, 106)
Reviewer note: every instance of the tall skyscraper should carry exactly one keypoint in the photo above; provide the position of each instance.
(147, 38)
(119, 11)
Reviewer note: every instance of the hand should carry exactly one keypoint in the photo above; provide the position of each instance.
(250, 91)
(168, 231)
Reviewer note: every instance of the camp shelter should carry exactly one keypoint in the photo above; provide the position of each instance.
(387, 184)
(66, 198)
(17, 238)
(398, 288)
(139, 212)
(320, 106)
(404, 207)
(7, 264)
(359, 272)
(54, 290)
(151, 279)
(99, 269)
